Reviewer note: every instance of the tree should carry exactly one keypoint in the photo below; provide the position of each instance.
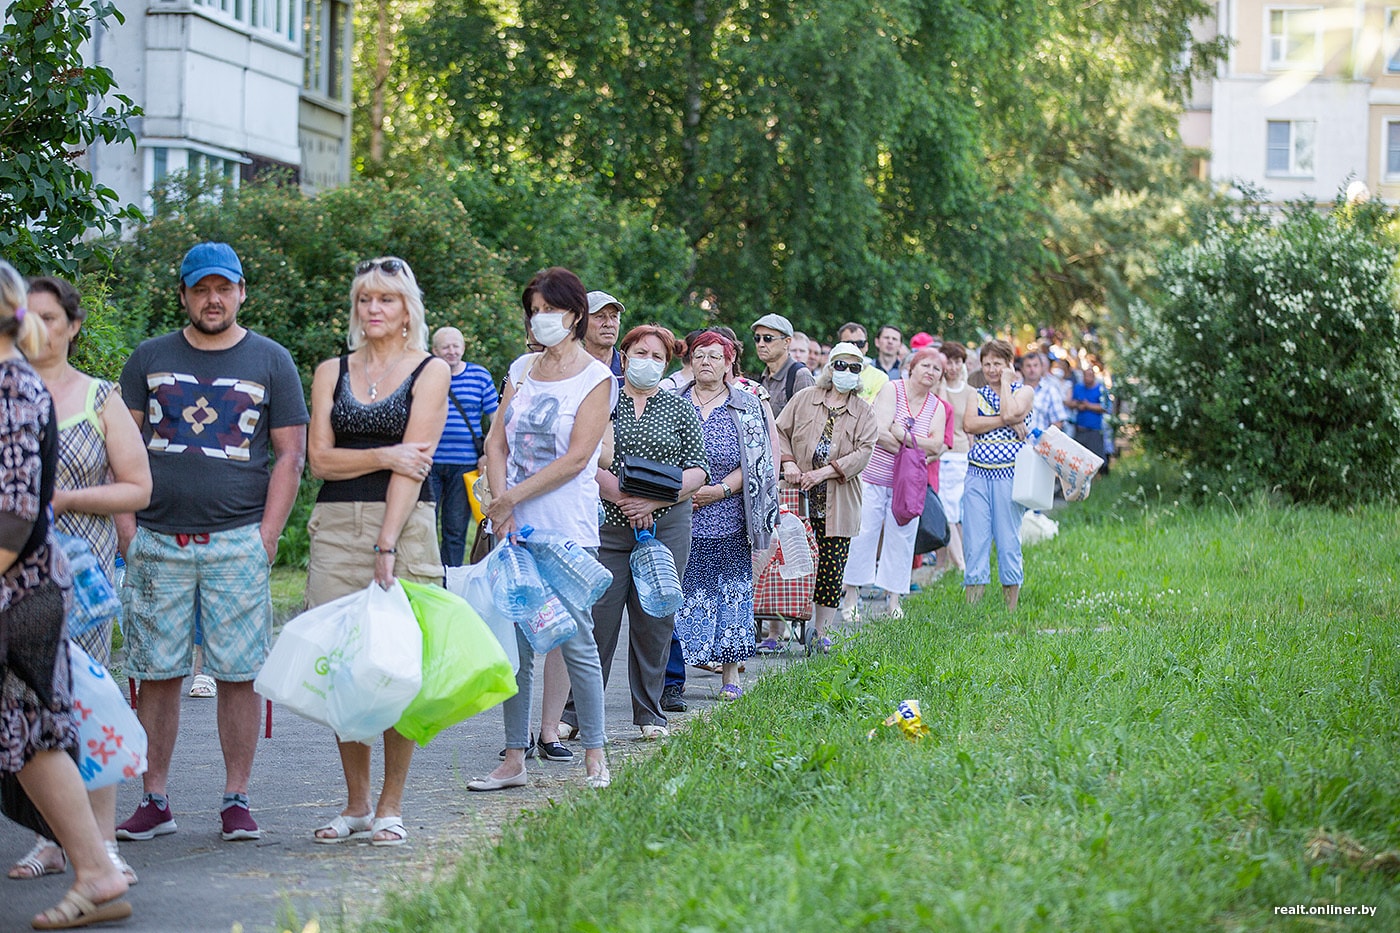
(51, 108)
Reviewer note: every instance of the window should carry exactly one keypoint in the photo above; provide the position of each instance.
(278, 17)
(1392, 40)
(1392, 148)
(325, 38)
(1294, 41)
(1290, 147)
(160, 157)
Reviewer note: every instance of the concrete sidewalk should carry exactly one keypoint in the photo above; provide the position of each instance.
(192, 881)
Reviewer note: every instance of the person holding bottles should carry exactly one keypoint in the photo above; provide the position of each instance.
(734, 515)
(661, 426)
(827, 434)
(542, 465)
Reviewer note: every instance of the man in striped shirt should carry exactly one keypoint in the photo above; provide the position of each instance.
(471, 400)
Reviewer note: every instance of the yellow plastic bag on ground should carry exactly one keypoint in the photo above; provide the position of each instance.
(465, 670)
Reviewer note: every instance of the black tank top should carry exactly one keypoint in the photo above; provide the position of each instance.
(358, 426)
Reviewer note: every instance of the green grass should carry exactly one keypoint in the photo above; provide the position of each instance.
(1165, 773)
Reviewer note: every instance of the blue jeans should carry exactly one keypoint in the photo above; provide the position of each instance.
(453, 509)
(675, 664)
(989, 513)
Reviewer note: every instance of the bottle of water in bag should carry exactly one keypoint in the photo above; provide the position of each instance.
(654, 573)
(567, 568)
(516, 587)
(797, 555)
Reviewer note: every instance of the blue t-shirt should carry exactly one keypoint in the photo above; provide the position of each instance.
(473, 389)
(1090, 420)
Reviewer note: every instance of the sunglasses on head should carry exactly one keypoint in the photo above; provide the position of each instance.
(847, 366)
(387, 266)
(767, 338)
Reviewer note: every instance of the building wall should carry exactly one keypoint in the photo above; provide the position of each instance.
(1334, 74)
(222, 86)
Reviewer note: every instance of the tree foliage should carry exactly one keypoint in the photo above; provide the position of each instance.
(52, 107)
(888, 161)
(1268, 361)
(299, 256)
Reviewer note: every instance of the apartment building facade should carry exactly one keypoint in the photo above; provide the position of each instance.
(1308, 101)
(236, 87)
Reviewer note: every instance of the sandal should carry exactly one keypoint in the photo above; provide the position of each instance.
(32, 866)
(389, 824)
(600, 780)
(203, 687)
(120, 863)
(344, 827)
(77, 911)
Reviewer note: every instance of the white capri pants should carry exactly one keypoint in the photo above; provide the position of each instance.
(887, 567)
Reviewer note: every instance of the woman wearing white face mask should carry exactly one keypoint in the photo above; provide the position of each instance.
(657, 425)
(827, 434)
(734, 516)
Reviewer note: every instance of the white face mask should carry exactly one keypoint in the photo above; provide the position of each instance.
(845, 382)
(549, 328)
(644, 373)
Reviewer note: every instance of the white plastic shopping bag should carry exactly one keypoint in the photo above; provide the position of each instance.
(111, 742)
(297, 673)
(1033, 482)
(472, 584)
(381, 667)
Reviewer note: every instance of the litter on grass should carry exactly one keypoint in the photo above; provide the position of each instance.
(906, 717)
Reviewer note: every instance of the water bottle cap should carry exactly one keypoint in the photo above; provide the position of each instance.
(1035, 433)
(643, 534)
(525, 531)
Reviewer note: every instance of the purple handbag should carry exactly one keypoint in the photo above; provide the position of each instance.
(910, 480)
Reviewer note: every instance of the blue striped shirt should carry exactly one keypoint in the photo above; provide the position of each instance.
(474, 389)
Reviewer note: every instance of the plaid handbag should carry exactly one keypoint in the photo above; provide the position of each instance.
(775, 597)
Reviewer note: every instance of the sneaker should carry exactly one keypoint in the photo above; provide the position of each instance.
(672, 699)
(555, 751)
(768, 646)
(149, 821)
(238, 824)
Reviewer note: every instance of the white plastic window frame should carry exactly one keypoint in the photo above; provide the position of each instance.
(1280, 59)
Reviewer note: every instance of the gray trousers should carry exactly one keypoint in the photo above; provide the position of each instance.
(649, 637)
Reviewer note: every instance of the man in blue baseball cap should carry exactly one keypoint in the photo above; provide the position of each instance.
(215, 403)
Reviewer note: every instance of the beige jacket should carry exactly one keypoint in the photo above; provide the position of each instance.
(800, 427)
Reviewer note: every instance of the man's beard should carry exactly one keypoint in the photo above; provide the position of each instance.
(198, 324)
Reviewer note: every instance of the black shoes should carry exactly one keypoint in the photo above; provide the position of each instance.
(672, 700)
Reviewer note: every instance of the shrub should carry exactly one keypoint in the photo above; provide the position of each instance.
(1269, 360)
(299, 256)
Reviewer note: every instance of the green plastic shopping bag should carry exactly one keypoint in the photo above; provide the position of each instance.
(465, 670)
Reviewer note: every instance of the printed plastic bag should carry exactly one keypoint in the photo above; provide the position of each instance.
(111, 742)
(1073, 463)
(465, 670)
(381, 668)
(472, 584)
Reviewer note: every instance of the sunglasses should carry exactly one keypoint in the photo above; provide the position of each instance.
(859, 343)
(842, 366)
(387, 266)
(768, 338)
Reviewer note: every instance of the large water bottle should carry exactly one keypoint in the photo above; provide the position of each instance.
(573, 573)
(550, 627)
(654, 574)
(797, 555)
(516, 587)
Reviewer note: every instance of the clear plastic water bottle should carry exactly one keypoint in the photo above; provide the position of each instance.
(516, 587)
(797, 555)
(550, 627)
(567, 568)
(654, 573)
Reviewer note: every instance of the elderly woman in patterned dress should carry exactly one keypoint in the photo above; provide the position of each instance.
(734, 515)
(37, 727)
(102, 470)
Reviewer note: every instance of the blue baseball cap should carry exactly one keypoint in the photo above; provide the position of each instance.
(210, 259)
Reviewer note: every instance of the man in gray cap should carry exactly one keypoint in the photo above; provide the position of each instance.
(604, 323)
(782, 376)
(224, 420)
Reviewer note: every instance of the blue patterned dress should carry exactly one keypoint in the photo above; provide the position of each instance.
(715, 623)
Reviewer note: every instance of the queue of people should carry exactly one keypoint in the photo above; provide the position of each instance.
(397, 426)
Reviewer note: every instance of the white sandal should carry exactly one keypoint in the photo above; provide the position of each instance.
(31, 866)
(345, 828)
(120, 863)
(389, 824)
